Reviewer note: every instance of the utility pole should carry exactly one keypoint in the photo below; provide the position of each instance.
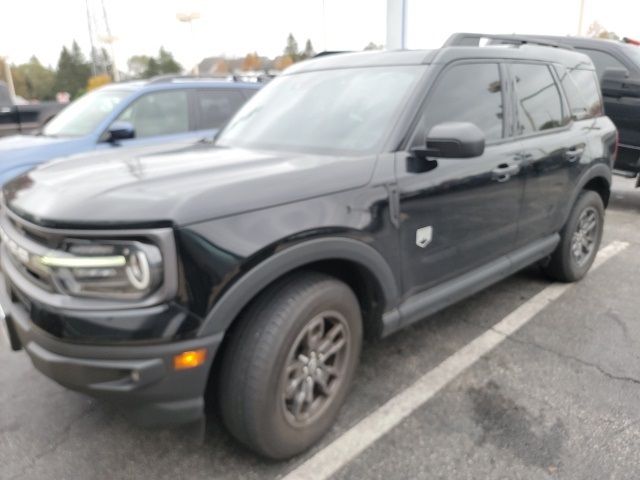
(396, 24)
(109, 39)
(581, 17)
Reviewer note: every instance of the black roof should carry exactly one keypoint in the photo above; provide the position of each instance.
(526, 51)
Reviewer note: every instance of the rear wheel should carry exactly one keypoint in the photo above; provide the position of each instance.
(580, 239)
(289, 364)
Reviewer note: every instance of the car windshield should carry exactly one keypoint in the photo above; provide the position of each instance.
(85, 114)
(346, 111)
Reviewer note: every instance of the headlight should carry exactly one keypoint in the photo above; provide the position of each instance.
(105, 269)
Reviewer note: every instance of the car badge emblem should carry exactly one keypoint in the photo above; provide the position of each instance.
(424, 236)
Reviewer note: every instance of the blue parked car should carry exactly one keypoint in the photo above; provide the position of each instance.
(166, 112)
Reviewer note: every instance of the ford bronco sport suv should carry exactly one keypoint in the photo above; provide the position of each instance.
(352, 196)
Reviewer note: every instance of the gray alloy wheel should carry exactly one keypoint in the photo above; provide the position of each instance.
(289, 362)
(584, 239)
(579, 239)
(315, 369)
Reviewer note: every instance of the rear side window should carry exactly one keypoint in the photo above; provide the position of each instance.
(602, 61)
(215, 107)
(539, 103)
(583, 93)
(468, 93)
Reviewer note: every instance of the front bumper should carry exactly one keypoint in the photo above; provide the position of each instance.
(140, 378)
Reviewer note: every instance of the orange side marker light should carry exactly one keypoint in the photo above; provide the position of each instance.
(190, 359)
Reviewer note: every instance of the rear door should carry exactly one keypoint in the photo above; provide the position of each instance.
(459, 214)
(552, 148)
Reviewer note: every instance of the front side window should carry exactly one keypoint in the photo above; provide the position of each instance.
(342, 111)
(158, 113)
(85, 114)
(468, 93)
(538, 99)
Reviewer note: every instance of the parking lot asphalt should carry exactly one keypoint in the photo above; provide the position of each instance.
(556, 399)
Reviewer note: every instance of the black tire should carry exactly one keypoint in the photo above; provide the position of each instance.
(565, 265)
(253, 403)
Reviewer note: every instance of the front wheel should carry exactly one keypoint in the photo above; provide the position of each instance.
(289, 364)
(580, 239)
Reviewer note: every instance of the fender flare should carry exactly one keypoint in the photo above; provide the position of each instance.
(230, 304)
(599, 170)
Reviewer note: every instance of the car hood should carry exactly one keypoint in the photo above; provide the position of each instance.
(23, 151)
(178, 187)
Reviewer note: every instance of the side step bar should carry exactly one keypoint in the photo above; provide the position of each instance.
(430, 301)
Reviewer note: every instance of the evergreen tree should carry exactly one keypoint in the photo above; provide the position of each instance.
(291, 50)
(308, 50)
(166, 63)
(73, 71)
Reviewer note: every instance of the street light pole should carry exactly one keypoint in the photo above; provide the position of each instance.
(396, 24)
(581, 17)
(110, 40)
(189, 18)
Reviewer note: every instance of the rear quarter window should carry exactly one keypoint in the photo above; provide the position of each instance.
(539, 103)
(582, 90)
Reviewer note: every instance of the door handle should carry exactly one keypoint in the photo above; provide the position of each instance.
(574, 153)
(504, 172)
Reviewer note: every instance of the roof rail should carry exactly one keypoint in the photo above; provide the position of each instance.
(171, 78)
(473, 40)
(330, 52)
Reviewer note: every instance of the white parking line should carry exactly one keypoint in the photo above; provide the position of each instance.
(354, 441)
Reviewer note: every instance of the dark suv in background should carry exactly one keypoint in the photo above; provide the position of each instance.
(618, 67)
(354, 195)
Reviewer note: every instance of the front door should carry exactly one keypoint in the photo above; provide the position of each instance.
(460, 213)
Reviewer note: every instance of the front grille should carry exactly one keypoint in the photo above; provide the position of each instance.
(44, 238)
(17, 234)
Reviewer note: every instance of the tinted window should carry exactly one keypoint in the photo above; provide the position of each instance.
(539, 103)
(159, 113)
(216, 107)
(346, 110)
(583, 93)
(468, 93)
(602, 61)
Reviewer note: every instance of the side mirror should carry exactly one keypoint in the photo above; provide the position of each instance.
(120, 131)
(455, 140)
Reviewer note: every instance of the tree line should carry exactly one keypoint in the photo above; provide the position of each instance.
(75, 73)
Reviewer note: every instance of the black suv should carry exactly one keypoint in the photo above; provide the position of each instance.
(618, 67)
(354, 195)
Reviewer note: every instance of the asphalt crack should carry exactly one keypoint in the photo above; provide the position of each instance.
(563, 355)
